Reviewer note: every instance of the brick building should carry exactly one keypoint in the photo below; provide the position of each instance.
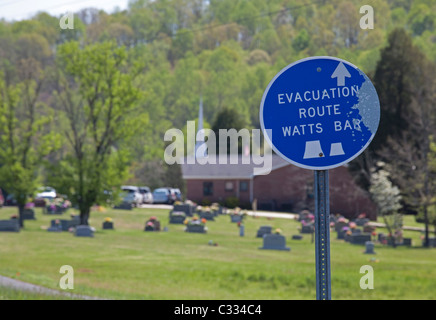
(285, 188)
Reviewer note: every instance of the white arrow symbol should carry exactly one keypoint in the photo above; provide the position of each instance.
(340, 73)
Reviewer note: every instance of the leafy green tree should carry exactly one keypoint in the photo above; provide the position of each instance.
(98, 99)
(25, 136)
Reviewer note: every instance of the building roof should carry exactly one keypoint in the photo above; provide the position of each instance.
(239, 170)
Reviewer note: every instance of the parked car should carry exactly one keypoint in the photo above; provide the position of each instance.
(44, 195)
(133, 195)
(178, 194)
(163, 195)
(46, 192)
(10, 200)
(147, 195)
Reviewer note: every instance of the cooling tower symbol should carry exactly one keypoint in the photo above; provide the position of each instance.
(313, 150)
(336, 149)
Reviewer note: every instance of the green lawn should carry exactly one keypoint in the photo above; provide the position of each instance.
(128, 263)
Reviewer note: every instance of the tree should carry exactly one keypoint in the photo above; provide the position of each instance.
(227, 119)
(394, 81)
(25, 136)
(97, 99)
(404, 82)
(387, 197)
(412, 168)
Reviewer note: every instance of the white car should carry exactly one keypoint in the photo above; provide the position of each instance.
(133, 191)
(147, 195)
(46, 192)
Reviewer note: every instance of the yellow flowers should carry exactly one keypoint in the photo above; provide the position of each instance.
(107, 219)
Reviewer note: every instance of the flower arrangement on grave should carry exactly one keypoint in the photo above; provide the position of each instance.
(108, 219)
(58, 205)
(278, 231)
(215, 206)
(177, 203)
(342, 219)
(352, 225)
(178, 213)
(195, 220)
(238, 211)
(152, 224)
(29, 205)
(14, 216)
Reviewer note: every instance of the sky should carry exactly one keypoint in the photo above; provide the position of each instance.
(11, 10)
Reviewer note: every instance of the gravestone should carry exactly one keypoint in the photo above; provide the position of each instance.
(236, 218)
(407, 242)
(123, 206)
(297, 237)
(208, 215)
(368, 228)
(339, 225)
(152, 225)
(341, 234)
(381, 237)
(149, 228)
(186, 208)
(108, 225)
(361, 221)
(360, 238)
(75, 220)
(83, 231)
(65, 224)
(431, 242)
(196, 228)
(356, 231)
(309, 228)
(274, 242)
(263, 230)
(369, 247)
(29, 214)
(55, 227)
(304, 215)
(177, 217)
(10, 225)
(241, 230)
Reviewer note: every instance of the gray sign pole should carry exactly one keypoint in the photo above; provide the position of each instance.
(322, 235)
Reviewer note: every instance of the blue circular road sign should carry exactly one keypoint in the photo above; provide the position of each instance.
(320, 113)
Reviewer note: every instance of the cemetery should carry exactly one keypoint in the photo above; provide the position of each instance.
(277, 265)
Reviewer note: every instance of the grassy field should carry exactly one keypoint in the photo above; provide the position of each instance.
(128, 263)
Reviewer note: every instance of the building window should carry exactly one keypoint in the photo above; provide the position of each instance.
(243, 186)
(228, 186)
(207, 188)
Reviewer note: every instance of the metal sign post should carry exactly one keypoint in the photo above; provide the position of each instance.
(322, 235)
(320, 113)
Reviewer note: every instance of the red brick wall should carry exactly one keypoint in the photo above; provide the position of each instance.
(291, 185)
(194, 191)
(288, 188)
